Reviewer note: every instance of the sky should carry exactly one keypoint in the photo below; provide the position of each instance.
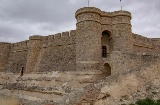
(20, 19)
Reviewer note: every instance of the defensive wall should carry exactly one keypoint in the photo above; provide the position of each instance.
(143, 44)
(121, 62)
(57, 53)
(17, 57)
(4, 53)
(40, 53)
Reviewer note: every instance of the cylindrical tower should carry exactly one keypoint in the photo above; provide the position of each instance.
(88, 38)
(34, 48)
(4, 54)
(121, 31)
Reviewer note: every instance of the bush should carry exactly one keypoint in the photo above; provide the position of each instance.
(147, 102)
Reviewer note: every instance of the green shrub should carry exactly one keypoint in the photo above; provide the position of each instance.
(157, 102)
(147, 102)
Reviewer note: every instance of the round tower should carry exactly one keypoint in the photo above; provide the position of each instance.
(121, 31)
(88, 38)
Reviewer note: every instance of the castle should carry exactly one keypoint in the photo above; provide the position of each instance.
(102, 45)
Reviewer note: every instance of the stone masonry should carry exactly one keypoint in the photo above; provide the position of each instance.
(76, 65)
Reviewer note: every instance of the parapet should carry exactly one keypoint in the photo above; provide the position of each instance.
(102, 13)
(88, 10)
(4, 43)
(59, 39)
(121, 13)
(95, 14)
(156, 41)
(141, 38)
(20, 44)
(35, 37)
(88, 14)
(116, 13)
(142, 44)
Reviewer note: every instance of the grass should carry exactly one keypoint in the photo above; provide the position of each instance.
(8, 101)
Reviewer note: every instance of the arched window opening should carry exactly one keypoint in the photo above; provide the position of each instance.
(107, 69)
(106, 33)
(105, 40)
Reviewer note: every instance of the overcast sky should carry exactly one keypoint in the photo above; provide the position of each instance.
(20, 19)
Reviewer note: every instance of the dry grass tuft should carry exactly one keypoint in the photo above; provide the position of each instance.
(8, 101)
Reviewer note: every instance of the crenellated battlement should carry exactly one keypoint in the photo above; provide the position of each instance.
(156, 40)
(102, 13)
(102, 17)
(50, 37)
(121, 13)
(142, 44)
(59, 39)
(156, 43)
(88, 10)
(4, 43)
(116, 13)
(35, 37)
(141, 38)
(20, 46)
(67, 34)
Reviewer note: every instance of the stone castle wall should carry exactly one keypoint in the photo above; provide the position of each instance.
(156, 43)
(4, 53)
(40, 54)
(121, 62)
(142, 44)
(17, 57)
(57, 53)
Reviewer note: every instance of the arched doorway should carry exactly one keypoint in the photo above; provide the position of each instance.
(107, 69)
(105, 40)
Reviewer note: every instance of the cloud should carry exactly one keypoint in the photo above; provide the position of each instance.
(22, 18)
